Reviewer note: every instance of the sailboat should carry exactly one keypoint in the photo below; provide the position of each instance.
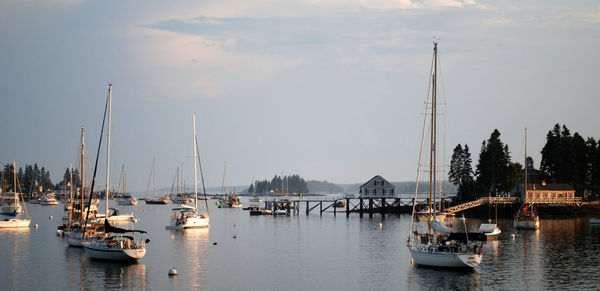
(525, 218)
(438, 246)
(15, 222)
(185, 216)
(154, 199)
(114, 243)
(113, 215)
(125, 198)
(10, 201)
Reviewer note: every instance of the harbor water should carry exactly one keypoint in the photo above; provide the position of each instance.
(297, 252)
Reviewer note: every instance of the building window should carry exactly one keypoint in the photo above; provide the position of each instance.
(383, 191)
(391, 191)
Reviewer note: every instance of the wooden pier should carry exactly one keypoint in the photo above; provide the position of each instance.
(372, 205)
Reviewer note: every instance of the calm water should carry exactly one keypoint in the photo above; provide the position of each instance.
(296, 253)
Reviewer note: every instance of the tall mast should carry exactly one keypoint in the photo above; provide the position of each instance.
(525, 190)
(15, 184)
(195, 167)
(70, 194)
(82, 192)
(432, 160)
(108, 146)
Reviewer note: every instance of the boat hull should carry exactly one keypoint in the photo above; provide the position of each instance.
(445, 260)
(15, 223)
(189, 223)
(527, 225)
(114, 255)
(73, 239)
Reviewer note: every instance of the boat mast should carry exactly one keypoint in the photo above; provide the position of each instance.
(525, 180)
(108, 147)
(432, 160)
(82, 192)
(15, 185)
(195, 167)
(70, 194)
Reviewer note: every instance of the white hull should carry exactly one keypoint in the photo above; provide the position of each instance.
(98, 249)
(73, 239)
(114, 254)
(191, 222)
(119, 218)
(14, 223)
(127, 201)
(594, 220)
(49, 202)
(445, 260)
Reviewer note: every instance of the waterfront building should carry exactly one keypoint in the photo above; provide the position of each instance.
(377, 187)
(548, 194)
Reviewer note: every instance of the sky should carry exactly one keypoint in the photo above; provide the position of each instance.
(328, 89)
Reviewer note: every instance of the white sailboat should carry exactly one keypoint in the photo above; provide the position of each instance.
(115, 243)
(126, 198)
(185, 216)
(438, 246)
(113, 215)
(16, 222)
(525, 218)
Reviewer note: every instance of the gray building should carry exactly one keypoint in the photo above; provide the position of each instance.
(377, 187)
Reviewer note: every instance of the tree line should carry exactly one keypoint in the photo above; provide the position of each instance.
(30, 179)
(566, 158)
(293, 185)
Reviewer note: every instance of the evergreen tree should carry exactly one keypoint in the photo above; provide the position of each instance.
(493, 169)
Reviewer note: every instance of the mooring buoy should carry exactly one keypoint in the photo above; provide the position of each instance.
(173, 272)
(35, 225)
(215, 243)
(235, 235)
(50, 217)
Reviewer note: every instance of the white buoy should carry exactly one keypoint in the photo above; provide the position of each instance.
(173, 272)
(35, 225)
(380, 225)
(512, 235)
(235, 235)
(50, 217)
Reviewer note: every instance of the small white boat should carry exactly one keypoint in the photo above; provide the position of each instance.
(594, 220)
(14, 223)
(256, 199)
(127, 200)
(48, 199)
(490, 230)
(115, 216)
(185, 217)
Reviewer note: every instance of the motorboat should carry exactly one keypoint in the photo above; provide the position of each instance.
(526, 218)
(48, 199)
(490, 230)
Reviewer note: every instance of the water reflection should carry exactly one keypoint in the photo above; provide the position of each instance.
(443, 279)
(194, 261)
(108, 275)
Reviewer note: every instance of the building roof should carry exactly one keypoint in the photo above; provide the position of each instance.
(376, 176)
(549, 187)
